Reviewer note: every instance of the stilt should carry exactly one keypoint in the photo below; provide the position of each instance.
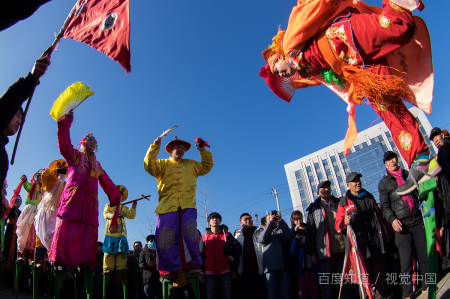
(123, 277)
(37, 272)
(426, 195)
(106, 278)
(17, 269)
(73, 272)
(166, 286)
(59, 276)
(195, 283)
(88, 279)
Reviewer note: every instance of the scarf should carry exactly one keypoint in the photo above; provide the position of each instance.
(407, 198)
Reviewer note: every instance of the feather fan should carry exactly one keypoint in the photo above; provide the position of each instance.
(73, 96)
(280, 86)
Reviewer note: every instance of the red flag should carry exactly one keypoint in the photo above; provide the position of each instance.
(103, 25)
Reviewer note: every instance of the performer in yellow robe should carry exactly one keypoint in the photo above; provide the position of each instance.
(115, 245)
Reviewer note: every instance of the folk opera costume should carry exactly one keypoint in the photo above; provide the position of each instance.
(76, 228)
(26, 233)
(176, 229)
(357, 51)
(9, 246)
(4, 212)
(53, 182)
(115, 246)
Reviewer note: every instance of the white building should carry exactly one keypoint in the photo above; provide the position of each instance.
(330, 163)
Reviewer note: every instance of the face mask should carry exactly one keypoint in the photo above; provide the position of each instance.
(152, 245)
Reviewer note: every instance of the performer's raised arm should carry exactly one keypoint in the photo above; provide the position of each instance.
(64, 143)
(151, 165)
(108, 186)
(129, 213)
(206, 163)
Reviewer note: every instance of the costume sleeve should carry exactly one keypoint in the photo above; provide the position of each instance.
(385, 203)
(311, 234)
(151, 165)
(64, 143)
(305, 21)
(108, 212)
(110, 189)
(12, 99)
(128, 213)
(339, 224)
(206, 164)
(27, 186)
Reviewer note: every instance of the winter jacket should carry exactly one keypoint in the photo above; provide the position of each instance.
(274, 241)
(303, 259)
(134, 270)
(258, 248)
(10, 102)
(442, 203)
(393, 206)
(215, 262)
(149, 275)
(376, 223)
(317, 237)
(98, 277)
(177, 179)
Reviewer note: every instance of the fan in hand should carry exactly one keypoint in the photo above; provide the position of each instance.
(73, 96)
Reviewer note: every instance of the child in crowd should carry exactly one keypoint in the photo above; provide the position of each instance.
(306, 276)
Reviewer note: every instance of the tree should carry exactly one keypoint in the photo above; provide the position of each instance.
(149, 225)
(204, 202)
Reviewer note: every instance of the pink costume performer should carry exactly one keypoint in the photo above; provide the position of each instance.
(76, 230)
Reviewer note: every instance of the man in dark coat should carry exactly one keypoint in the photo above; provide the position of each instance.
(11, 110)
(134, 271)
(147, 263)
(403, 213)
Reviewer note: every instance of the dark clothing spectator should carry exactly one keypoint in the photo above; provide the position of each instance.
(442, 201)
(10, 102)
(274, 240)
(306, 277)
(98, 277)
(216, 264)
(368, 224)
(150, 276)
(324, 243)
(410, 234)
(251, 271)
(136, 274)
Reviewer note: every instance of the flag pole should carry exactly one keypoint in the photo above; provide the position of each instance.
(47, 53)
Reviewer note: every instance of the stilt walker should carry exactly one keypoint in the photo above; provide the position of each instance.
(177, 246)
(115, 246)
(362, 53)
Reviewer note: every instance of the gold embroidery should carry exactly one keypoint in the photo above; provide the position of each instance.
(396, 7)
(339, 32)
(405, 140)
(384, 21)
(166, 238)
(190, 230)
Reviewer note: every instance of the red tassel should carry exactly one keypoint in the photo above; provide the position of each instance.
(114, 227)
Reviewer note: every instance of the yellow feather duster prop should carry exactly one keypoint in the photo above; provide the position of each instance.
(73, 96)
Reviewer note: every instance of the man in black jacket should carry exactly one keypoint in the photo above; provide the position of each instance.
(11, 110)
(403, 213)
(147, 263)
(135, 271)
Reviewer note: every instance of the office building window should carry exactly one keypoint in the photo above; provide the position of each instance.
(423, 131)
(334, 192)
(400, 164)
(298, 175)
(308, 169)
(336, 169)
(328, 172)
(347, 170)
(311, 179)
(340, 180)
(333, 159)
(364, 144)
(342, 155)
(372, 140)
(314, 189)
(332, 182)
(302, 194)
(325, 162)
(343, 190)
(380, 138)
(304, 205)
(345, 165)
(300, 184)
(388, 134)
(357, 148)
(432, 150)
(384, 148)
(316, 166)
(320, 176)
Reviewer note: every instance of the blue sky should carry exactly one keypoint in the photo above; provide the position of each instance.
(194, 64)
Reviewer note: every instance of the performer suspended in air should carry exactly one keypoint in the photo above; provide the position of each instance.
(355, 50)
(76, 229)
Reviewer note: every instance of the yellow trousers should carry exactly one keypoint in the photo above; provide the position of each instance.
(114, 261)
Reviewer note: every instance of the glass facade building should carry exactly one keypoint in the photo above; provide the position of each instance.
(330, 163)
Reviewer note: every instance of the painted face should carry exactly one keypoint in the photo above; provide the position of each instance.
(282, 69)
(90, 144)
(178, 151)
(14, 124)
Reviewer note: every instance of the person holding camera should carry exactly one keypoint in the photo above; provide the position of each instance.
(274, 239)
